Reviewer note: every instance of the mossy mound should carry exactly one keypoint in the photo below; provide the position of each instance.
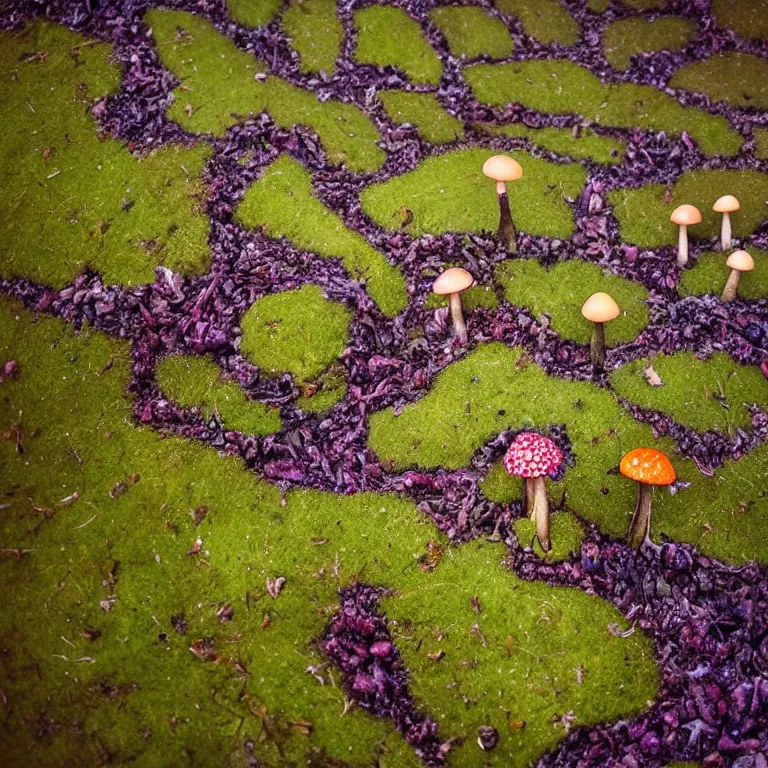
(701, 394)
(643, 212)
(195, 382)
(761, 143)
(471, 32)
(218, 90)
(282, 203)
(325, 391)
(586, 145)
(598, 6)
(70, 200)
(530, 654)
(152, 557)
(316, 33)
(739, 79)
(566, 534)
(496, 388)
(626, 37)
(562, 290)
(389, 37)
(710, 273)
(424, 111)
(296, 331)
(563, 87)
(645, 5)
(253, 13)
(546, 20)
(747, 18)
(448, 193)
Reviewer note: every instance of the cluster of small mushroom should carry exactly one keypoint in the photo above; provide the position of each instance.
(534, 457)
(739, 261)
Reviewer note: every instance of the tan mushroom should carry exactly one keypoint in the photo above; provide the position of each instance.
(599, 309)
(502, 168)
(451, 283)
(726, 205)
(684, 216)
(738, 261)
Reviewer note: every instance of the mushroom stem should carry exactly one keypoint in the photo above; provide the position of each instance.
(640, 527)
(506, 229)
(459, 326)
(682, 246)
(529, 497)
(725, 231)
(597, 347)
(731, 286)
(540, 511)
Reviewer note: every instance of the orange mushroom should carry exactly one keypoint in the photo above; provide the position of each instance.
(738, 261)
(599, 309)
(726, 205)
(684, 216)
(647, 467)
(451, 283)
(502, 168)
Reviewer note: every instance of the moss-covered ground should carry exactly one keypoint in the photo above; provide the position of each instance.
(562, 87)
(445, 193)
(164, 602)
(562, 290)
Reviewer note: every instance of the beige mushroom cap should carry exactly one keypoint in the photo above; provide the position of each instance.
(741, 261)
(726, 204)
(502, 168)
(686, 214)
(600, 308)
(453, 280)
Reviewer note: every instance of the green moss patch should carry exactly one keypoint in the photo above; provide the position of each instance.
(546, 20)
(329, 388)
(424, 111)
(315, 32)
(626, 37)
(562, 87)
(218, 90)
(471, 32)
(562, 290)
(71, 201)
(281, 202)
(711, 272)
(586, 145)
(645, 5)
(449, 193)
(644, 215)
(532, 654)
(296, 331)
(746, 18)
(736, 78)
(701, 394)
(195, 382)
(566, 534)
(388, 36)
(598, 6)
(253, 13)
(761, 143)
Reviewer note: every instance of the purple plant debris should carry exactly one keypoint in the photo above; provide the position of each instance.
(708, 622)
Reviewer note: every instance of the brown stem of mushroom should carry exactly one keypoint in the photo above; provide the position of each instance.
(529, 497)
(459, 326)
(725, 232)
(640, 527)
(682, 246)
(597, 347)
(731, 286)
(507, 231)
(540, 511)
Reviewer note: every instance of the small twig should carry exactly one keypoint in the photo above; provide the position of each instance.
(82, 525)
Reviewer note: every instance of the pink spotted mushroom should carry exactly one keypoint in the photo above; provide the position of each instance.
(532, 457)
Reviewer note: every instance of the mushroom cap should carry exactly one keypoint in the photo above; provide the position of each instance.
(453, 280)
(741, 261)
(502, 168)
(648, 466)
(686, 214)
(600, 308)
(532, 455)
(726, 204)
